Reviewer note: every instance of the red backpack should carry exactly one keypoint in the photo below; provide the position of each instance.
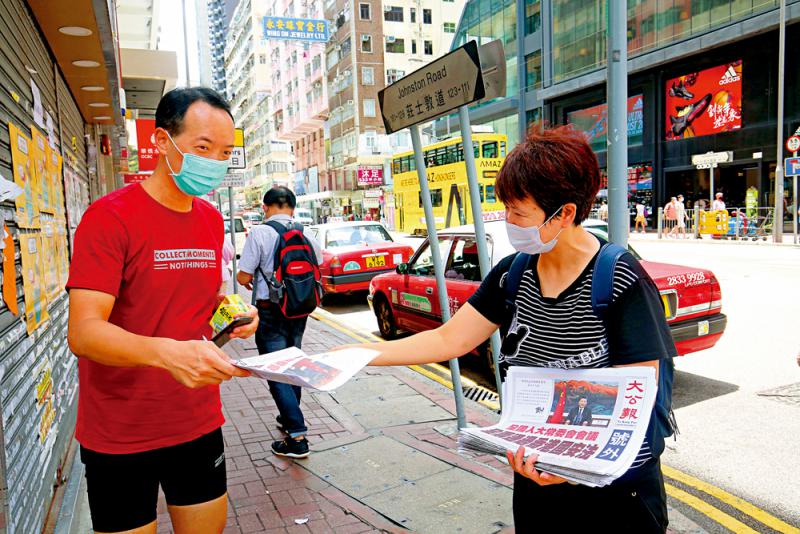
(295, 284)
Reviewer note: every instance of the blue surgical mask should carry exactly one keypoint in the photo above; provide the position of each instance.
(198, 175)
(528, 240)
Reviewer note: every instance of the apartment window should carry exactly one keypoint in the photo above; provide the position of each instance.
(262, 59)
(369, 107)
(413, 46)
(427, 17)
(449, 27)
(364, 12)
(367, 76)
(413, 11)
(428, 48)
(532, 16)
(533, 70)
(366, 43)
(392, 75)
(394, 45)
(371, 139)
(393, 14)
(316, 63)
(307, 70)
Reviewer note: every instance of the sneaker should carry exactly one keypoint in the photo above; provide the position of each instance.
(679, 90)
(291, 448)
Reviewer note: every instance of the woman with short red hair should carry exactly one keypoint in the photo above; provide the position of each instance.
(548, 183)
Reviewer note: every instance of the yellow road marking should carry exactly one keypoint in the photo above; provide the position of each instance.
(731, 500)
(367, 337)
(703, 507)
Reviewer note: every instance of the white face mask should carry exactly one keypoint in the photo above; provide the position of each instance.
(528, 240)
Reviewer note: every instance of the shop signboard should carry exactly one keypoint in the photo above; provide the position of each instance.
(704, 102)
(593, 122)
(370, 175)
(146, 142)
(287, 29)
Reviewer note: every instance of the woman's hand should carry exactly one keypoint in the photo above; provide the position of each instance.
(525, 468)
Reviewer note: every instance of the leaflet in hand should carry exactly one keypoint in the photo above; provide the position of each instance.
(586, 425)
(326, 371)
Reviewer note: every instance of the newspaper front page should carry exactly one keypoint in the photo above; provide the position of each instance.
(325, 372)
(585, 425)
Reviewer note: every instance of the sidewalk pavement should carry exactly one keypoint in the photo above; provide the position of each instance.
(384, 458)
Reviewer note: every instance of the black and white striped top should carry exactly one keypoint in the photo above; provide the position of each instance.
(564, 332)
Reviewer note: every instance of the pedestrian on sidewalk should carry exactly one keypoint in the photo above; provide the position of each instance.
(718, 204)
(680, 218)
(145, 278)
(670, 215)
(276, 331)
(548, 183)
(640, 218)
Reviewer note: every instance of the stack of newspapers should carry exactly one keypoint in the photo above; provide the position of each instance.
(585, 425)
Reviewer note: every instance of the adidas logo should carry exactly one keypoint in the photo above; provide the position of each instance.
(730, 76)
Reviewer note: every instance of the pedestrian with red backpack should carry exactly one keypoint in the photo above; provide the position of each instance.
(280, 264)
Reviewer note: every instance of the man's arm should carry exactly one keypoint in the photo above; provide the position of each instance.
(90, 335)
(249, 261)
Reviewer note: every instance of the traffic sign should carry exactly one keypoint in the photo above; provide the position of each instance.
(233, 180)
(493, 68)
(238, 158)
(793, 144)
(443, 85)
(791, 167)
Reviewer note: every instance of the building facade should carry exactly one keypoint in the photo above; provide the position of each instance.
(249, 74)
(373, 43)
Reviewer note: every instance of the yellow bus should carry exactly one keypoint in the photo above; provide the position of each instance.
(447, 178)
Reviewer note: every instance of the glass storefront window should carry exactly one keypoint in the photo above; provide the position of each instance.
(579, 27)
(533, 19)
(533, 71)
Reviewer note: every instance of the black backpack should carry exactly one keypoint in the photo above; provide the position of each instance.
(663, 424)
(295, 285)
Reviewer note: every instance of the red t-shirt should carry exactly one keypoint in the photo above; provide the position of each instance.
(163, 267)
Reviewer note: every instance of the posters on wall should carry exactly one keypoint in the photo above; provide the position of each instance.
(593, 122)
(50, 259)
(704, 102)
(9, 272)
(33, 280)
(25, 177)
(55, 164)
(38, 108)
(40, 152)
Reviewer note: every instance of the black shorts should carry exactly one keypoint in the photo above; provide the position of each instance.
(123, 488)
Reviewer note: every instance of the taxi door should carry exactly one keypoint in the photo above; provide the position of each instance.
(463, 274)
(417, 302)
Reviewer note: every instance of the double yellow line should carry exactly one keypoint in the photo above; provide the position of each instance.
(438, 373)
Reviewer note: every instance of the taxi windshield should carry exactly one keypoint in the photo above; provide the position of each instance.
(357, 235)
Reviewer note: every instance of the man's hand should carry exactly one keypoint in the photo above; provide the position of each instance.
(525, 468)
(198, 363)
(249, 329)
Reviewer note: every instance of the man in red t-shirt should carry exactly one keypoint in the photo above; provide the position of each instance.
(144, 281)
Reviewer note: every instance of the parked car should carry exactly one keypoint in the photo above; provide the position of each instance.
(241, 233)
(407, 300)
(303, 216)
(252, 217)
(355, 252)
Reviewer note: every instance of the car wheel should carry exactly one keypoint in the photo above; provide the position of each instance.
(385, 317)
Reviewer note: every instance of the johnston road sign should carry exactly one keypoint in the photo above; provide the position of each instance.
(443, 85)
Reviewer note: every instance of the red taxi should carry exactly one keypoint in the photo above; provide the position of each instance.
(407, 299)
(355, 252)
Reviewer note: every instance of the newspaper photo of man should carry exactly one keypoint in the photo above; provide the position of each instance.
(580, 415)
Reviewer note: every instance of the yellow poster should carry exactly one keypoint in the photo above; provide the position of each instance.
(50, 260)
(24, 176)
(40, 154)
(55, 163)
(33, 281)
(62, 247)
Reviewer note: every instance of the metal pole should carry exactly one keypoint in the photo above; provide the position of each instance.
(777, 226)
(484, 261)
(438, 268)
(711, 186)
(794, 212)
(618, 216)
(233, 236)
(185, 43)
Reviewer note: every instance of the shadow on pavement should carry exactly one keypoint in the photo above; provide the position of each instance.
(688, 389)
(345, 302)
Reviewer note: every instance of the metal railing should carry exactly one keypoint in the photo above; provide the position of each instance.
(735, 224)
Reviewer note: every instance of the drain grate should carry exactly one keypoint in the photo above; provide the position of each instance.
(478, 394)
(789, 394)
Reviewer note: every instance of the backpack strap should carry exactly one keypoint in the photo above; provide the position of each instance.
(514, 276)
(603, 277)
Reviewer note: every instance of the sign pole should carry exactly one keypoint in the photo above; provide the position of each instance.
(438, 268)
(233, 236)
(618, 217)
(711, 186)
(794, 213)
(484, 261)
(777, 225)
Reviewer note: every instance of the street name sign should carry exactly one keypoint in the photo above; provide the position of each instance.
(441, 86)
(238, 159)
(710, 160)
(493, 68)
(791, 166)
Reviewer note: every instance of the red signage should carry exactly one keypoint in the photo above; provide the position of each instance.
(370, 175)
(135, 178)
(146, 139)
(705, 102)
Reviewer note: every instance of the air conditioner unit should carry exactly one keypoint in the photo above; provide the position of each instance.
(390, 38)
(349, 102)
(387, 8)
(365, 38)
